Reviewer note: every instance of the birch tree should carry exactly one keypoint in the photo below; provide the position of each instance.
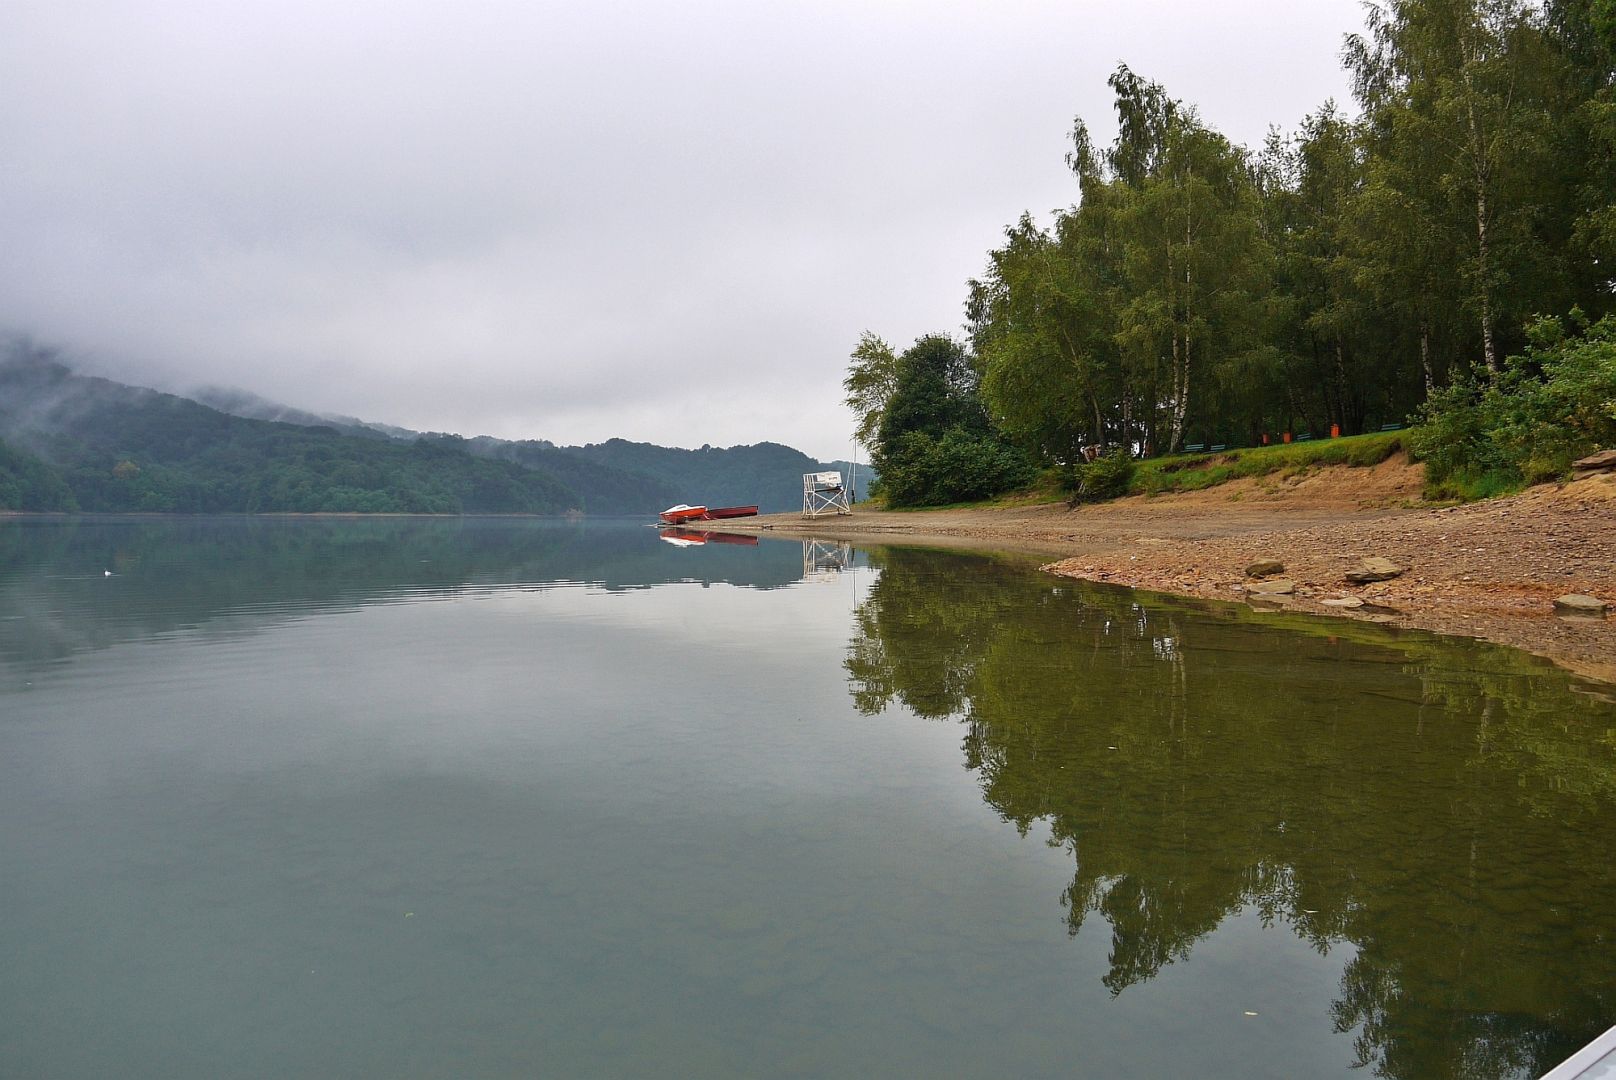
(1456, 94)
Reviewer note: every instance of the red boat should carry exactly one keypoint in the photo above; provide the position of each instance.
(683, 513)
(731, 512)
(678, 515)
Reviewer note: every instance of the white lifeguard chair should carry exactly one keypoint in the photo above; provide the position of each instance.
(824, 493)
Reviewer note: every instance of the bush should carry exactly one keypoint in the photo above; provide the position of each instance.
(958, 467)
(1106, 477)
(1454, 435)
(1551, 405)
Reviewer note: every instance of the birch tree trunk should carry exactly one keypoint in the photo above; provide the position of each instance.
(1487, 350)
(1478, 157)
(1425, 356)
(1181, 366)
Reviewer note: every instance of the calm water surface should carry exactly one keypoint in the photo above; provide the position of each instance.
(406, 798)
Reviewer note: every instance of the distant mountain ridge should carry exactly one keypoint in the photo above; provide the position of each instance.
(765, 473)
(74, 442)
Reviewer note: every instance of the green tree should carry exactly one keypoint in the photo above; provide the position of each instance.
(1123, 322)
(1339, 358)
(1585, 31)
(872, 379)
(1461, 101)
(1046, 338)
(1340, 277)
(936, 444)
(27, 483)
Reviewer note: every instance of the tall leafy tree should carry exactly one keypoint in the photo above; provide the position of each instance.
(1337, 356)
(1195, 260)
(1044, 335)
(1140, 299)
(1342, 276)
(1460, 98)
(872, 379)
(936, 443)
(1585, 32)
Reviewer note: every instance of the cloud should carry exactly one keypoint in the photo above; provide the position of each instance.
(665, 222)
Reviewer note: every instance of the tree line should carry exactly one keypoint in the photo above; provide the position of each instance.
(1339, 277)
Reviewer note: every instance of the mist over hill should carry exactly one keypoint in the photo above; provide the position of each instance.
(250, 406)
(627, 476)
(70, 442)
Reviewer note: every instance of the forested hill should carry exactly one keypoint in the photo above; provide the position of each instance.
(617, 476)
(71, 442)
(252, 407)
(80, 443)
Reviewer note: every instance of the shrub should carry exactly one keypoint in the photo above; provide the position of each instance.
(1106, 477)
(1552, 404)
(958, 467)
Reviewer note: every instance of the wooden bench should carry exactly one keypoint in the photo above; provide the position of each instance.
(1391, 427)
(1219, 446)
(1194, 447)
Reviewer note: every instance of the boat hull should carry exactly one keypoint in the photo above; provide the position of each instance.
(679, 515)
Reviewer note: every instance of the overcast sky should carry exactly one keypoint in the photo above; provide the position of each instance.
(662, 221)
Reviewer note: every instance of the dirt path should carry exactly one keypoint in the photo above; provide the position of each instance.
(1489, 570)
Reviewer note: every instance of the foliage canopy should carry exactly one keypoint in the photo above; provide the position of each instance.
(1340, 278)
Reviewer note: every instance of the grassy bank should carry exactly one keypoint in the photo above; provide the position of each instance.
(1193, 472)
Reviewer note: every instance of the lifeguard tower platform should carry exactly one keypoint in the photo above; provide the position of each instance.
(824, 493)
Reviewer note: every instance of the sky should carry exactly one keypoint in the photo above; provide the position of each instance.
(666, 222)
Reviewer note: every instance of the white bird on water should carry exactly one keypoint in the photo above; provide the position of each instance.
(106, 573)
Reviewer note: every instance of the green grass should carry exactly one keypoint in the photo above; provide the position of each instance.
(1473, 487)
(1195, 472)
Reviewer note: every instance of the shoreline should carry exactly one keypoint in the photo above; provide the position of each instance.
(182, 515)
(1488, 570)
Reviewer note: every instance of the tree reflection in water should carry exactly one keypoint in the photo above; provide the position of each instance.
(1445, 808)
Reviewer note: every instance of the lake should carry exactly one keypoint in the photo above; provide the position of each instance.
(507, 798)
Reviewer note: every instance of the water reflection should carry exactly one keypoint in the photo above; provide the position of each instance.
(68, 585)
(1444, 809)
(681, 536)
(587, 865)
(826, 558)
